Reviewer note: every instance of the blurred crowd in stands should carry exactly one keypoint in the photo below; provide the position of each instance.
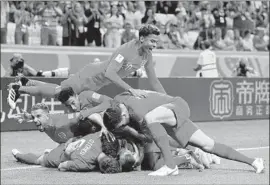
(231, 25)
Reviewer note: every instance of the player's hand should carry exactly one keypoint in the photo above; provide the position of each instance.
(138, 93)
(24, 116)
(62, 166)
(109, 136)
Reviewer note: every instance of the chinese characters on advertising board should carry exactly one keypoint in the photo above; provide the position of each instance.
(239, 98)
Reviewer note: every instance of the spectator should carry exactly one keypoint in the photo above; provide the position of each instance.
(114, 22)
(247, 41)
(164, 40)
(79, 20)
(49, 13)
(181, 19)
(238, 40)
(174, 35)
(229, 40)
(229, 18)
(22, 20)
(165, 7)
(258, 40)
(220, 20)
(94, 16)
(149, 17)
(193, 21)
(184, 40)
(127, 35)
(66, 24)
(218, 42)
(133, 16)
(207, 20)
(4, 21)
(12, 10)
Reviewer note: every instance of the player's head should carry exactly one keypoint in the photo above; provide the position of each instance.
(69, 98)
(110, 148)
(108, 164)
(149, 36)
(116, 116)
(127, 158)
(16, 61)
(206, 44)
(40, 114)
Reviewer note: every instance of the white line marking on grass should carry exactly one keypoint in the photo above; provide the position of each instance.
(255, 148)
(21, 168)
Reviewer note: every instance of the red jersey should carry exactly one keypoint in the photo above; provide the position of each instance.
(62, 127)
(124, 61)
(84, 158)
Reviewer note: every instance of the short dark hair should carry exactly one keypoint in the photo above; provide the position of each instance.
(112, 115)
(110, 148)
(127, 162)
(148, 29)
(65, 94)
(109, 164)
(207, 44)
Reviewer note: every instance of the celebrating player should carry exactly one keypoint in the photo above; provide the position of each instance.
(126, 59)
(174, 112)
(60, 127)
(87, 102)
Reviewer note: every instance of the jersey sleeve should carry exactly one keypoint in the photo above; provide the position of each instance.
(93, 97)
(117, 60)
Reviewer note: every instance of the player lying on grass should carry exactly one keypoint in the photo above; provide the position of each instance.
(60, 127)
(126, 59)
(173, 113)
(83, 154)
(19, 67)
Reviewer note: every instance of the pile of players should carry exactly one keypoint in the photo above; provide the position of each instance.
(137, 129)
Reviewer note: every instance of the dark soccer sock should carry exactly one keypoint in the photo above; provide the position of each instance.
(227, 152)
(27, 158)
(161, 139)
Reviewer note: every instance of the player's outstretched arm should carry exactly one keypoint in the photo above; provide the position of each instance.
(152, 77)
(97, 109)
(74, 166)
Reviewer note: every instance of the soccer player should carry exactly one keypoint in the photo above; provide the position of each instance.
(173, 113)
(126, 59)
(19, 67)
(87, 102)
(86, 155)
(59, 127)
(207, 63)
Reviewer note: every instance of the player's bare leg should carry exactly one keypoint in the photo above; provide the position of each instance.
(202, 141)
(199, 139)
(28, 158)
